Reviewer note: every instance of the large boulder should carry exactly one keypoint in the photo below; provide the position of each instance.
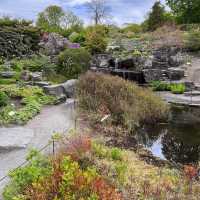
(53, 43)
(69, 88)
(15, 138)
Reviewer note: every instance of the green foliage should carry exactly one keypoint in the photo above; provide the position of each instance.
(156, 17)
(38, 168)
(135, 28)
(31, 100)
(7, 81)
(186, 12)
(129, 105)
(55, 19)
(116, 154)
(3, 99)
(160, 86)
(177, 88)
(7, 21)
(192, 40)
(77, 38)
(73, 62)
(96, 39)
(18, 38)
(34, 64)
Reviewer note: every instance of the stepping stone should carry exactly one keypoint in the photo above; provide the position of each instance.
(15, 138)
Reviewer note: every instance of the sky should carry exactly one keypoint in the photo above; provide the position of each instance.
(122, 11)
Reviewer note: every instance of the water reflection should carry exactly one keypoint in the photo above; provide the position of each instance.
(178, 141)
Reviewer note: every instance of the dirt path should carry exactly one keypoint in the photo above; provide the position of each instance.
(52, 119)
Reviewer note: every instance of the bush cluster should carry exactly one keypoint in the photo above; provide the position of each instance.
(176, 88)
(18, 40)
(73, 62)
(3, 99)
(128, 104)
(31, 99)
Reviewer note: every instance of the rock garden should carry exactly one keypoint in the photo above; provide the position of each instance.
(132, 95)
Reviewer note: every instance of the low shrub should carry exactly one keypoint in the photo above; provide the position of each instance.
(192, 40)
(129, 105)
(38, 168)
(34, 64)
(77, 38)
(73, 62)
(95, 40)
(177, 88)
(3, 99)
(160, 86)
(31, 99)
(62, 178)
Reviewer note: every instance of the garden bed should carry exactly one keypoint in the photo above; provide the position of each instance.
(20, 104)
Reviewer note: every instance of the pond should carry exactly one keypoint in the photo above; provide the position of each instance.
(177, 141)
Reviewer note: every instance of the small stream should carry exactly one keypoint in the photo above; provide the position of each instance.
(179, 140)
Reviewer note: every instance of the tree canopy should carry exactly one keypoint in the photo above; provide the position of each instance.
(55, 19)
(186, 11)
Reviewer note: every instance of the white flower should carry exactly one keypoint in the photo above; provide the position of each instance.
(188, 63)
(11, 113)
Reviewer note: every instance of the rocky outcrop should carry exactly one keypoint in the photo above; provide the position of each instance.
(15, 138)
(53, 43)
(66, 89)
(69, 88)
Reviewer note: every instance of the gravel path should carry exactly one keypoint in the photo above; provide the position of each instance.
(52, 119)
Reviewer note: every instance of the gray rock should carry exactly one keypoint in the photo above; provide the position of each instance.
(42, 84)
(176, 60)
(69, 87)
(175, 73)
(152, 74)
(55, 90)
(15, 138)
(36, 76)
(7, 74)
(102, 61)
(53, 44)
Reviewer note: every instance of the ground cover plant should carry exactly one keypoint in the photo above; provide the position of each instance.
(86, 169)
(129, 105)
(176, 88)
(20, 104)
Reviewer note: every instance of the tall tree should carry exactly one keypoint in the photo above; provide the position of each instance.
(186, 11)
(51, 18)
(99, 10)
(55, 19)
(156, 16)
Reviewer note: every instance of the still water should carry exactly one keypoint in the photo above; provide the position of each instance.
(177, 141)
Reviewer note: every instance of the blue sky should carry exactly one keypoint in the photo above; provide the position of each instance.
(123, 11)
